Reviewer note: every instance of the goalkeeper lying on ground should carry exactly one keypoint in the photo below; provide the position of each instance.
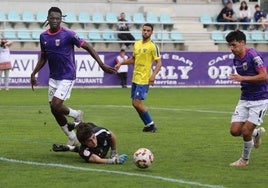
(95, 144)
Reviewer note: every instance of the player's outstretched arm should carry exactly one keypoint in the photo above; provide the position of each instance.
(156, 70)
(260, 77)
(40, 64)
(113, 145)
(127, 62)
(115, 160)
(93, 53)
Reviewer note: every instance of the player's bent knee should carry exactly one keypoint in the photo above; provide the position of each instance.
(235, 132)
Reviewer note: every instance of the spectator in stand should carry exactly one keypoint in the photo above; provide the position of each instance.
(122, 71)
(244, 14)
(224, 2)
(123, 28)
(260, 16)
(227, 15)
(5, 61)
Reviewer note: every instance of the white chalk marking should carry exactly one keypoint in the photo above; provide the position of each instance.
(179, 181)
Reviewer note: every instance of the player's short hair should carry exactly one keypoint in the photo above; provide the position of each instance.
(84, 131)
(236, 35)
(54, 9)
(257, 6)
(149, 25)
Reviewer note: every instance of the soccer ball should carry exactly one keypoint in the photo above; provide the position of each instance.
(143, 158)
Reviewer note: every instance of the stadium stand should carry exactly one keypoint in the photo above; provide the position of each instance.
(28, 16)
(70, 17)
(10, 33)
(163, 35)
(24, 34)
(111, 17)
(188, 23)
(83, 17)
(257, 35)
(41, 16)
(152, 18)
(94, 35)
(108, 35)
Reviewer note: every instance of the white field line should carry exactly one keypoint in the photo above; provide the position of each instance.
(129, 107)
(167, 109)
(178, 181)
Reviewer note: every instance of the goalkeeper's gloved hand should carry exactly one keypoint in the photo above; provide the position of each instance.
(113, 153)
(118, 159)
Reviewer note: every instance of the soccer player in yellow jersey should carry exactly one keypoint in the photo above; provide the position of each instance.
(145, 53)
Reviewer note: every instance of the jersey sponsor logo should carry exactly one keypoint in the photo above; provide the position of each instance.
(86, 153)
(57, 42)
(245, 66)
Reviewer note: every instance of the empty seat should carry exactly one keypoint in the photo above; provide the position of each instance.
(108, 34)
(217, 36)
(24, 34)
(128, 17)
(28, 16)
(111, 17)
(153, 37)
(2, 16)
(97, 17)
(94, 34)
(215, 18)
(176, 35)
(248, 38)
(82, 34)
(257, 35)
(266, 35)
(9, 33)
(36, 33)
(165, 18)
(138, 18)
(205, 19)
(41, 17)
(163, 35)
(151, 18)
(136, 34)
(13, 16)
(83, 17)
(70, 17)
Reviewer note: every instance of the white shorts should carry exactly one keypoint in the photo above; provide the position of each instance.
(252, 111)
(60, 89)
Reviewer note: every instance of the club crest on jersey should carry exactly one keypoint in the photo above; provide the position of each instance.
(57, 42)
(245, 66)
(144, 50)
(86, 153)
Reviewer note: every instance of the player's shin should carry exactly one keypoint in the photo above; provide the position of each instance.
(146, 118)
(247, 149)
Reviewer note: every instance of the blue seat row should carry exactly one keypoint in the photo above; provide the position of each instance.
(84, 17)
(93, 34)
(252, 36)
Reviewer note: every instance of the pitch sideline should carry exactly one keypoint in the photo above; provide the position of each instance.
(179, 181)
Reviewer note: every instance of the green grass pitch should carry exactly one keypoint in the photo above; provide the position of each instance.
(193, 147)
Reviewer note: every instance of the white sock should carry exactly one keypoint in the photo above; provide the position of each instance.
(255, 133)
(73, 113)
(247, 149)
(70, 134)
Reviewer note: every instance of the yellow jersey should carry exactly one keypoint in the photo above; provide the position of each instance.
(145, 54)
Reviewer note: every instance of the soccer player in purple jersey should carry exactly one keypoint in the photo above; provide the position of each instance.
(57, 47)
(251, 108)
